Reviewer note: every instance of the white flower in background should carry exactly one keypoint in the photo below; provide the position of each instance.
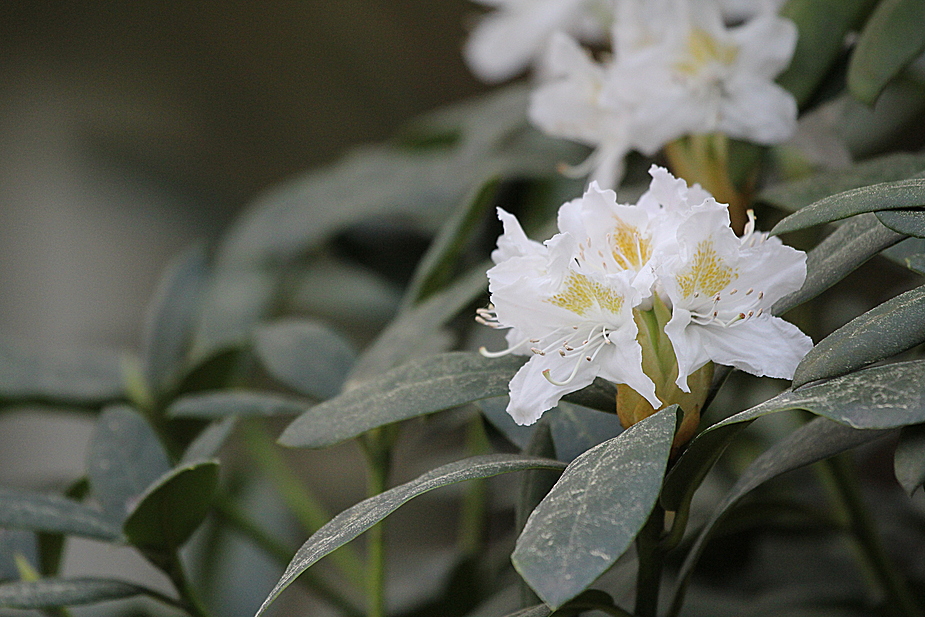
(571, 302)
(509, 39)
(684, 72)
(568, 104)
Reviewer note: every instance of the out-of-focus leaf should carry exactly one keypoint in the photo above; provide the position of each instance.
(576, 429)
(822, 27)
(814, 441)
(355, 520)
(909, 458)
(880, 397)
(211, 371)
(172, 508)
(211, 405)
(893, 327)
(124, 459)
(417, 328)
(494, 411)
(54, 514)
(797, 194)
(172, 316)
(53, 592)
(85, 378)
(210, 441)
(907, 222)
(421, 386)
(14, 543)
(306, 356)
(436, 268)
(891, 39)
(909, 193)
(840, 254)
(238, 298)
(595, 510)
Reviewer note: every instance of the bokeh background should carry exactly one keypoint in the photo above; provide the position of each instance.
(129, 130)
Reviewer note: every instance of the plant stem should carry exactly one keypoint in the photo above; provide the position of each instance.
(300, 501)
(649, 577)
(192, 603)
(236, 518)
(847, 497)
(377, 446)
(472, 517)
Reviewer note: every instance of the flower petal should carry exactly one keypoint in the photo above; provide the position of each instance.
(765, 346)
(532, 394)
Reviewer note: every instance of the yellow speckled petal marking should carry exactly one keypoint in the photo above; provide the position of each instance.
(581, 293)
(630, 248)
(706, 273)
(702, 49)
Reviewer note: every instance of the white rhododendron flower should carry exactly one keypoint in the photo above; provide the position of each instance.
(690, 74)
(510, 38)
(570, 303)
(568, 104)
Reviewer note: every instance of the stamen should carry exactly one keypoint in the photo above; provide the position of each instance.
(538, 352)
(503, 352)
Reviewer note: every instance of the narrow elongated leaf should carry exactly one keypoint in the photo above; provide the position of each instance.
(891, 39)
(893, 327)
(124, 458)
(421, 386)
(796, 194)
(220, 404)
(907, 222)
(814, 441)
(594, 512)
(417, 329)
(172, 508)
(910, 253)
(840, 254)
(53, 592)
(352, 522)
(909, 193)
(85, 378)
(15, 544)
(210, 441)
(306, 356)
(909, 458)
(172, 316)
(822, 27)
(54, 514)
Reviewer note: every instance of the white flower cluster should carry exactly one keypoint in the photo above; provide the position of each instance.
(570, 302)
(674, 68)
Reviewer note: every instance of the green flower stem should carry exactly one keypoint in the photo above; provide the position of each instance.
(238, 519)
(191, 602)
(649, 577)
(377, 447)
(845, 493)
(300, 501)
(472, 518)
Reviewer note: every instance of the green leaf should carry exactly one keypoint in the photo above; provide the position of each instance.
(305, 356)
(210, 441)
(814, 441)
(594, 512)
(909, 253)
(906, 222)
(124, 459)
(54, 592)
(840, 254)
(416, 330)
(891, 39)
(355, 520)
(909, 193)
(16, 543)
(909, 458)
(893, 327)
(212, 405)
(421, 386)
(172, 508)
(880, 397)
(54, 514)
(822, 27)
(172, 316)
(796, 194)
(85, 378)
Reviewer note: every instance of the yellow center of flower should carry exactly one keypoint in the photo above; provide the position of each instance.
(580, 293)
(702, 50)
(707, 273)
(630, 248)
